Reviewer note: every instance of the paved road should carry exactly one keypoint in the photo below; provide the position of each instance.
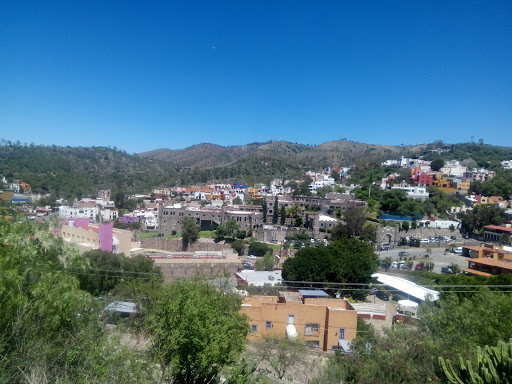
(438, 256)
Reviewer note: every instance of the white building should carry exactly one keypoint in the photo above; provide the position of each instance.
(507, 164)
(419, 193)
(109, 214)
(389, 162)
(453, 168)
(66, 212)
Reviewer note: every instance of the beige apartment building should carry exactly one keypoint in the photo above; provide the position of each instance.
(325, 323)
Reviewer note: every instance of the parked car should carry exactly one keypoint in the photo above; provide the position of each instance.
(458, 250)
(419, 267)
(403, 253)
(394, 264)
(453, 238)
(381, 295)
(447, 270)
(424, 241)
(252, 257)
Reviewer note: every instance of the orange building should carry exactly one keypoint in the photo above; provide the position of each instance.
(487, 260)
(325, 323)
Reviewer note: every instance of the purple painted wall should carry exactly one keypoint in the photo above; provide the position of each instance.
(128, 219)
(82, 222)
(105, 236)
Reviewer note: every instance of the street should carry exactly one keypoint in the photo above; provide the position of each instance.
(438, 256)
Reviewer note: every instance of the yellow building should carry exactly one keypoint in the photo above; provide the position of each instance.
(87, 237)
(325, 323)
(461, 185)
(254, 193)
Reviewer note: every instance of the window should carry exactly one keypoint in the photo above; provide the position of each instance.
(254, 328)
(268, 325)
(311, 329)
(341, 334)
(313, 344)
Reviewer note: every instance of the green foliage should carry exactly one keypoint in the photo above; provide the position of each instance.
(49, 330)
(196, 330)
(275, 211)
(238, 246)
(481, 215)
(189, 232)
(281, 354)
(282, 214)
(494, 366)
(342, 261)
(237, 201)
(99, 272)
(386, 263)
(265, 210)
(229, 230)
(258, 249)
(267, 263)
(437, 164)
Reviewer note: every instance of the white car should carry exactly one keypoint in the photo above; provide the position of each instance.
(423, 241)
(252, 257)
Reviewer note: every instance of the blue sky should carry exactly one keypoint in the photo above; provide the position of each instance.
(142, 75)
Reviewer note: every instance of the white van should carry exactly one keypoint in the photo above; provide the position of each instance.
(458, 251)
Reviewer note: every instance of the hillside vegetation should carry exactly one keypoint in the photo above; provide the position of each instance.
(80, 171)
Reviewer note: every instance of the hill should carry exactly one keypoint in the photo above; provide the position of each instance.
(337, 153)
(80, 171)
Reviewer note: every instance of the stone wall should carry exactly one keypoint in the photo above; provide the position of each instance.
(176, 245)
(207, 270)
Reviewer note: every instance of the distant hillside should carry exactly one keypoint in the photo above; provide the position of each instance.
(80, 171)
(333, 153)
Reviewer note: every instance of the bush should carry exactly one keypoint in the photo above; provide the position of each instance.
(258, 249)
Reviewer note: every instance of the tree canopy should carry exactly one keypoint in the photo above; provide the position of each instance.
(196, 329)
(342, 261)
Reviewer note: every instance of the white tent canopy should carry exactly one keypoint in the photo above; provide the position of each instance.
(408, 303)
(406, 286)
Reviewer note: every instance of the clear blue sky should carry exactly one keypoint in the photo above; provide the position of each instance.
(142, 75)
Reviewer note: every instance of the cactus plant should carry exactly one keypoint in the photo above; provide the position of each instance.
(494, 366)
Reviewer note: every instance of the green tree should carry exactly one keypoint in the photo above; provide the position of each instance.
(189, 232)
(437, 164)
(267, 263)
(231, 227)
(405, 226)
(99, 272)
(265, 210)
(355, 217)
(281, 354)
(237, 201)
(196, 330)
(258, 249)
(342, 261)
(238, 246)
(386, 263)
(282, 213)
(275, 211)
